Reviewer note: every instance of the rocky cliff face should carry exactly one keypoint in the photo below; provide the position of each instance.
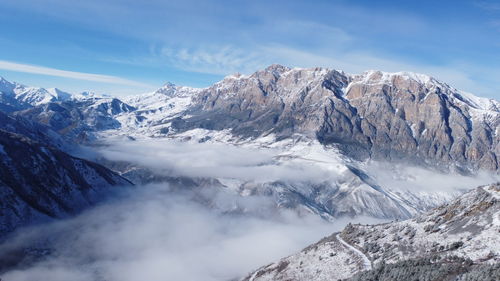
(420, 117)
(381, 115)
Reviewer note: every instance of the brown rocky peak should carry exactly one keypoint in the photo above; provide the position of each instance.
(277, 68)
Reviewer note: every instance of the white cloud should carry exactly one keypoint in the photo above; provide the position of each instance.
(27, 68)
(212, 160)
(222, 60)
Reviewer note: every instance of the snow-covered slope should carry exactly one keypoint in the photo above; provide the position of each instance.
(39, 182)
(344, 123)
(466, 228)
(16, 96)
(309, 264)
(153, 109)
(79, 119)
(33, 130)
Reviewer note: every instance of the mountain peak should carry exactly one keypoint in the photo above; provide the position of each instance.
(167, 89)
(169, 84)
(6, 85)
(59, 94)
(277, 68)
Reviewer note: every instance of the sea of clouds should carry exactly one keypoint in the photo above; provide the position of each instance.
(153, 232)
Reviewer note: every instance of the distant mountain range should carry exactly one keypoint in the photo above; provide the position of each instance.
(15, 96)
(317, 115)
(390, 116)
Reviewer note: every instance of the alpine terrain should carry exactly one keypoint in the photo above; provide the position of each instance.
(315, 142)
(455, 241)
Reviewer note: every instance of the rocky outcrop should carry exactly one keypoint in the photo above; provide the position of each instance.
(465, 227)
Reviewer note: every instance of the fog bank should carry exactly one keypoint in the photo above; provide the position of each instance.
(152, 234)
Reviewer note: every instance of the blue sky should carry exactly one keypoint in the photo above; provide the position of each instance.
(126, 46)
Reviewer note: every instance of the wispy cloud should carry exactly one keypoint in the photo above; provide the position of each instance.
(227, 38)
(489, 6)
(213, 60)
(224, 60)
(27, 68)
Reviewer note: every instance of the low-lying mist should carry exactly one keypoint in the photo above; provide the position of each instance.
(152, 234)
(401, 177)
(214, 160)
(306, 164)
(156, 232)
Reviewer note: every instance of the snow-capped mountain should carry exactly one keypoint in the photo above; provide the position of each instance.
(154, 109)
(396, 117)
(464, 232)
(387, 116)
(15, 96)
(331, 120)
(169, 98)
(315, 141)
(377, 115)
(77, 119)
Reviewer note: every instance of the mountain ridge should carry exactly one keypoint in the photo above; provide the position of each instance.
(464, 230)
(374, 116)
(40, 182)
(371, 117)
